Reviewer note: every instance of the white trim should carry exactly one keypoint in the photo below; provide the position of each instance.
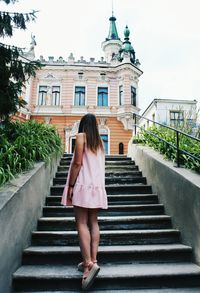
(108, 133)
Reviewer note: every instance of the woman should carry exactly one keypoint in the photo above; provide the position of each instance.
(85, 190)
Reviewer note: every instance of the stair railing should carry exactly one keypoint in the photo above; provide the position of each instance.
(176, 131)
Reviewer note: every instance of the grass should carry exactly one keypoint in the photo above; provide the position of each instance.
(185, 143)
(24, 143)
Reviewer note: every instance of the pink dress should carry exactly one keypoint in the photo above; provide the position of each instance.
(89, 189)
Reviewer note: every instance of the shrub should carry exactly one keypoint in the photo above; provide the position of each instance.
(23, 144)
(150, 137)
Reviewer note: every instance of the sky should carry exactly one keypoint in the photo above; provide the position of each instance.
(164, 33)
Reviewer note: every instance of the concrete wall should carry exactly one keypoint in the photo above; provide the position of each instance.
(21, 204)
(178, 189)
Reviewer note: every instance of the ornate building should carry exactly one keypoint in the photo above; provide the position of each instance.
(63, 91)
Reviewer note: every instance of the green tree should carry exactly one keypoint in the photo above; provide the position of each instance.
(15, 69)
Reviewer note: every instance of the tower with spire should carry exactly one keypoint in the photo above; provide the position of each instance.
(115, 50)
(112, 43)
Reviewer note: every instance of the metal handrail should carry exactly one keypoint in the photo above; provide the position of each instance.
(178, 150)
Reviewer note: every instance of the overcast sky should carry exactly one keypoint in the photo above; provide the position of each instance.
(164, 33)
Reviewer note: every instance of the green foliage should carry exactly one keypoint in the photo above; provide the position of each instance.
(150, 137)
(15, 70)
(18, 20)
(23, 144)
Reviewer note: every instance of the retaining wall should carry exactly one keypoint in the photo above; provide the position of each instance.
(178, 189)
(21, 204)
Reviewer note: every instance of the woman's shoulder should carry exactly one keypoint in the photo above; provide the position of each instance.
(81, 136)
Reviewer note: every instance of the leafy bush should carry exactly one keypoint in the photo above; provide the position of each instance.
(23, 144)
(150, 137)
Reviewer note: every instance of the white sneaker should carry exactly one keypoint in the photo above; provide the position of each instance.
(90, 276)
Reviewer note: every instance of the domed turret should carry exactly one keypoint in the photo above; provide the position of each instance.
(127, 48)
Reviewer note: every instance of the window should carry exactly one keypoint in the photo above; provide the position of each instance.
(104, 137)
(73, 142)
(42, 95)
(121, 95)
(176, 118)
(121, 148)
(190, 122)
(153, 118)
(102, 96)
(56, 95)
(79, 96)
(133, 96)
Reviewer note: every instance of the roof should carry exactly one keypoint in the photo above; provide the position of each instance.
(155, 101)
(113, 35)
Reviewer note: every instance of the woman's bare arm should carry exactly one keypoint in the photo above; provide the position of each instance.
(77, 161)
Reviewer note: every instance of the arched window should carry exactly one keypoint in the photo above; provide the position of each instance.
(104, 137)
(121, 95)
(121, 148)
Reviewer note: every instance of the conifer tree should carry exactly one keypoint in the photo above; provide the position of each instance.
(15, 69)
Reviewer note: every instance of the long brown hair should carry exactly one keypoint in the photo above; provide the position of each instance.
(89, 126)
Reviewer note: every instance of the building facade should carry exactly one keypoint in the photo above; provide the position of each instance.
(171, 112)
(64, 90)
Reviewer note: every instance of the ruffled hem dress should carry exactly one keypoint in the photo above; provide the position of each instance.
(89, 189)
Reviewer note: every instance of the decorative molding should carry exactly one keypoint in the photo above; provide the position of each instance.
(79, 109)
(50, 75)
(67, 137)
(102, 80)
(102, 121)
(47, 119)
(75, 127)
(120, 78)
(80, 80)
(47, 109)
(127, 121)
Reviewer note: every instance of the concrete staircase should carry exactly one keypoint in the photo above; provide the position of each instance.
(139, 249)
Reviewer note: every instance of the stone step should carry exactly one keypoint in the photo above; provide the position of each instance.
(113, 210)
(107, 157)
(113, 199)
(107, 163)
(70, 255)
(107, 174)
(121, 276)
(161, 290)
(112, 189)
(112, 180)
(107, 223)
(107, 168)
(109, 237)
(111, 158)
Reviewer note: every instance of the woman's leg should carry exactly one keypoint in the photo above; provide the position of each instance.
(81, 216)
(94, 232)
